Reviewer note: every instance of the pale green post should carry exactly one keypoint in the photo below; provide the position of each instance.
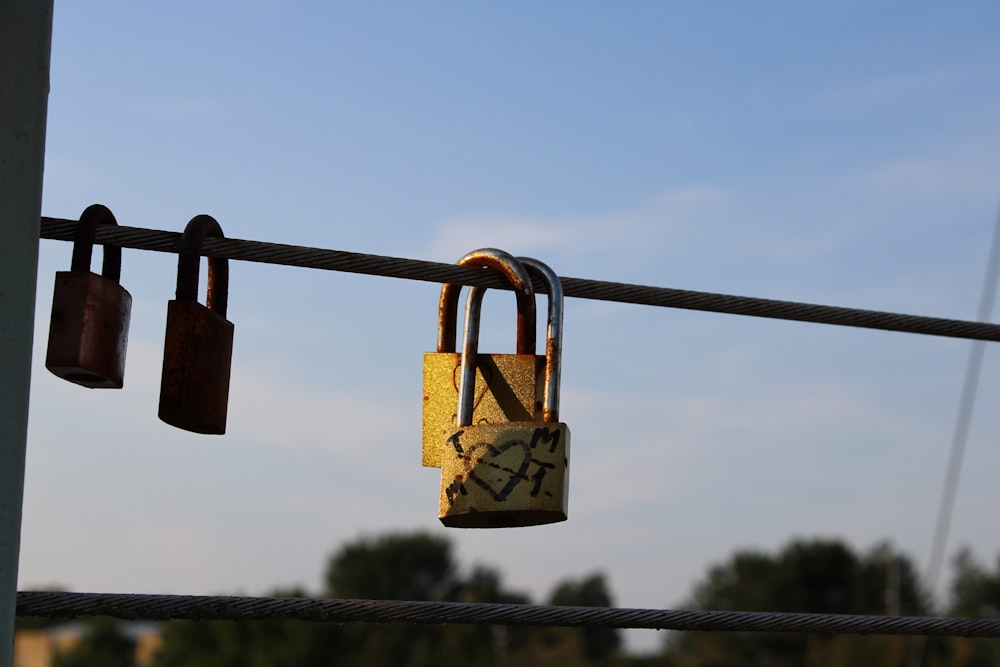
(25, 49)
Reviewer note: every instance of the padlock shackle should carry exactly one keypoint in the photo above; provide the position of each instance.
(189, 259)
(553, 337)
(553, 346)
(470, 357)
(523, 291)
(83, 243)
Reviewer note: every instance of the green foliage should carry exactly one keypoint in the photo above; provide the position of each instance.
(103, 645)
(814, 576)
(412, 566)
(404, 566)
(811, 576)
(596, 644)
(249, 643)
(975, 593)
(393, 567)
(807, 576)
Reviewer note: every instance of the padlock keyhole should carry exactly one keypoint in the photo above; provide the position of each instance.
(84, 378)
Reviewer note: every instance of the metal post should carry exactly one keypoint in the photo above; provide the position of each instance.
(25, 49)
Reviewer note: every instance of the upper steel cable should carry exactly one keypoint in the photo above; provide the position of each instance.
(413, 269)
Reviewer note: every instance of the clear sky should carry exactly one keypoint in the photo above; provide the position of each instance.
(839, 153)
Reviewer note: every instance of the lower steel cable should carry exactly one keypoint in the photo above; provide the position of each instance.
(224, 608)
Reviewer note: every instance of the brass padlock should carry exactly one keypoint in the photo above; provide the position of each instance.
(88, 329)
(515, 473)
(508, 386)
(198, 347)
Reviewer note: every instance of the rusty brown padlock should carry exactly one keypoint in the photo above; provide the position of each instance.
(508, 386)
(514, 473)
(88, 329)
(198, 347)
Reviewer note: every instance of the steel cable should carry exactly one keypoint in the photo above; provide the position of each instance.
(224, 608)
(412, 269)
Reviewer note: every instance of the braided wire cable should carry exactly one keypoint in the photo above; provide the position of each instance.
(413, 269)
(224, 608)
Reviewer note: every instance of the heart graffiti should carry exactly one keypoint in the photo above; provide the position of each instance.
(498, 469)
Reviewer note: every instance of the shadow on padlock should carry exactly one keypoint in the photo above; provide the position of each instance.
(515, 473)
(88, 328)
(198, 345)
(508, 387)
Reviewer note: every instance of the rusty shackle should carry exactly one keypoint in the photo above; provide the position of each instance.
(523, 291)
(83, 243)
(189, 258)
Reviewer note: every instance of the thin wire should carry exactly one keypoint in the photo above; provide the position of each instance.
(966, 404)
(225, 608)
(960, 434)
(396, 267)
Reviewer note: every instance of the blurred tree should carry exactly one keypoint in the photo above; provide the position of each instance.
(975, 593)
(398, 566)
(597, 644)
(249, 643)
(809, 576)
(571, 646)
(102, 645)
(418, 566)
(506, 645)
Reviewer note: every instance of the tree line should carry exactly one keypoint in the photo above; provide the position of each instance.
(811, 576)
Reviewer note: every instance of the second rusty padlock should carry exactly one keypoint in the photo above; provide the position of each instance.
(508, 386)
(198, 347)
(88, 329)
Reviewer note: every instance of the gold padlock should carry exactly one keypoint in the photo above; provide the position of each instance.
(508, 387)
(515, 473)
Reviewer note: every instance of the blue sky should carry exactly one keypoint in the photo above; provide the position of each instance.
(844, 154)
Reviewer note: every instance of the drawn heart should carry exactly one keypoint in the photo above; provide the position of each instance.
(498, 469)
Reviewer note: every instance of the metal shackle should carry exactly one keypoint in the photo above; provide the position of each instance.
(83, 243)
(189, 259)
(553, 337)
(553, 345)
(523, 291)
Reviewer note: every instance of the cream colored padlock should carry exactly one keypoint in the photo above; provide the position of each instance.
(514, 473)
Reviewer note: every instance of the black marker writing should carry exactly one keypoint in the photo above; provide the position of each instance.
(545, 435)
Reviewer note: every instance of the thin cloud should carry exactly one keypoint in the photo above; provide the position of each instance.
(962, 171)
(626, 232)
